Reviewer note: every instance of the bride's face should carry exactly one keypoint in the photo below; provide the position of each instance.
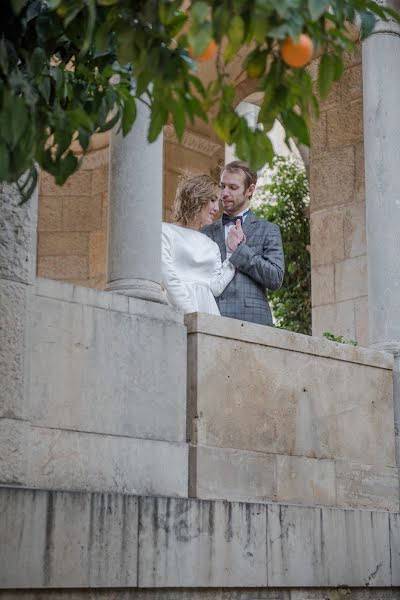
(209, 212)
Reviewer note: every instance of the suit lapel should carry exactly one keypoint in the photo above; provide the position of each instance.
(249, 223)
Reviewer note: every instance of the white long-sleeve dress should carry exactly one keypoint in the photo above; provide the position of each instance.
(191, 269)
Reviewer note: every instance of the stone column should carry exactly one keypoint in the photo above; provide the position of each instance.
(381, 82)
(135, 212)
(17, 277)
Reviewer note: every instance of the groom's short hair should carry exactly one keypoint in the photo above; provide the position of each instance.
(239, 166)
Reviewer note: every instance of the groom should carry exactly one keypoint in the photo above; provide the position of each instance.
(258, 259)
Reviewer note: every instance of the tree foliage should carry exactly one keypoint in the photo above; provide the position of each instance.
(285, 201)
(70, 68)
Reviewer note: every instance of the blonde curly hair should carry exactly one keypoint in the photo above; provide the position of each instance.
(193, 192)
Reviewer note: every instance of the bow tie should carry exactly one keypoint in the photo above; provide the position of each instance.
(226, 219)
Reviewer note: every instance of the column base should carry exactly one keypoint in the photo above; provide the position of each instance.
(138, 288)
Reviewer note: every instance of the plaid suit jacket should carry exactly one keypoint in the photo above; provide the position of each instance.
(259, 266)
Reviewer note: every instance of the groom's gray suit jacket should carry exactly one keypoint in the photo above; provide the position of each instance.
(259, 266)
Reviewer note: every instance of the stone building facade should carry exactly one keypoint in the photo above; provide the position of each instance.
(144, 455)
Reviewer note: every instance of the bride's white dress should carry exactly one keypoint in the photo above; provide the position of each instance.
(191, 269)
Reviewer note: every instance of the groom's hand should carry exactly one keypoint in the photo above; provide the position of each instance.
(235, 236)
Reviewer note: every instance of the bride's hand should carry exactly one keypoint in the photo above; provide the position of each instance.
(235, 236)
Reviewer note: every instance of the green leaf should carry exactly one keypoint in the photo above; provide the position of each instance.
(178, 117)
(67, 166)
(37, 61)
(296, 127)
(159, 116)
(3, 56)
(199, 12)
(326, 74)
(317, 8)
(18, 5)
(200, 38)
(129, 114)
(236, 30)
(13, 120)
(368, 21)
(4, 162)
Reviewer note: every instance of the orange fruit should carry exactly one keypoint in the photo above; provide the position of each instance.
(297, 54)
(208, 54)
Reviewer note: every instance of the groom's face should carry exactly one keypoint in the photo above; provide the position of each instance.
(234, 195)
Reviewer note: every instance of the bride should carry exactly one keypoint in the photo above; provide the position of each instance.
(191, 269)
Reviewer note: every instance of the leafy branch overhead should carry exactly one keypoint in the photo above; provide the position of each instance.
(70, 68)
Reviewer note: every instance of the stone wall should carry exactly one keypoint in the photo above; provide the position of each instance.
(105, 396)
(338, 232)
(72, 226)
(83, 540)
(279, 416)
(197, 153)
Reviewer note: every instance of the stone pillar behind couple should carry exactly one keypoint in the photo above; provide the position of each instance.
(242, 262)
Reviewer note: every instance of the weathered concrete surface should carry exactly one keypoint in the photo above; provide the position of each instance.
(17, 235)
(191, 543)
(317, 547)
(119, 371)
(55, 539)
(15, 302)
(228, 474)
(70, 540)
(47, 458)
(281, 416)
(204, 594)
(17, 274)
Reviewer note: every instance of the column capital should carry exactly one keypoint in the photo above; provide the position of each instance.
(389, 27)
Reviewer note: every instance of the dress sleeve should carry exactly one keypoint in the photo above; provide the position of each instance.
(175, 287)
(223, 274)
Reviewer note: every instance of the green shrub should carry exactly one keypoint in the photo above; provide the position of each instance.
(285, 201)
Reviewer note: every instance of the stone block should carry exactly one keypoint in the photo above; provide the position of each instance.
(313, 547)
(50, 213)
(332, 178)
(351, 278)
(79, 184)
(394, 525)
(18, 225)
(63, 244)
(305, 480)
(366, 486)
(318, 135)
(227, 474)
(358, 547)
(348, 88)
(82, 214)
(361, 315)
(63, 267)
(67, 540)
(97, 253)
(14, 448)
(323, 284)
(15, 303)
(43, 458)
(355, 243)
(100, 180)
(192, 543)
(338, 318)
(103, 377)
(345, 125)
(104, 210)
(327, 237)
(264, 390)
(293, 546)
